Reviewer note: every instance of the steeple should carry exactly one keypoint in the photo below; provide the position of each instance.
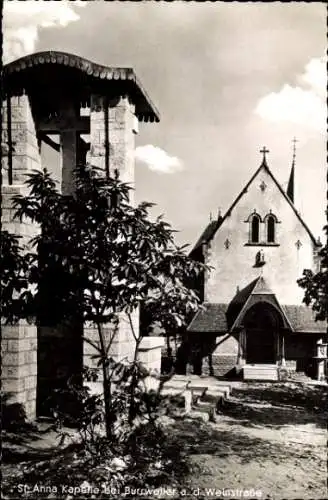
(291, 182)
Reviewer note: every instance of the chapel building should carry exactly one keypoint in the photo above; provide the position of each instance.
(254, 323)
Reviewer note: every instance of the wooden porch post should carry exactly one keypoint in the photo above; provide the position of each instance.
(242, 348)
(283, 360)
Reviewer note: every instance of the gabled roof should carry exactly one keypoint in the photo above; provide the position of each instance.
(303, 320)
(211, 319)
(211, 229)
(259, 292)
(208, 233)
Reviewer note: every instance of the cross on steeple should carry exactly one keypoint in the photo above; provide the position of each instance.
(291, 182)
(264, 150)
(294, 148)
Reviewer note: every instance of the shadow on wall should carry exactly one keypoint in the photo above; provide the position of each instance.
(197, 356)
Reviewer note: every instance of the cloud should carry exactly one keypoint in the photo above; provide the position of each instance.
(158, 160)
(22, 20)
(304, 104)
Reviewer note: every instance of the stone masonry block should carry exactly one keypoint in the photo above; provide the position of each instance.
(19, 176)
(20, 161)
(30, 382)
(30, 409)
(33, 369)
(88, 349)
(8, 371)
(18, 114)
(30, 332)
(30, 356)
(7, 215)
(25, 370)
(18, 345)
(90, 362)
(12, 227)
(4, 345)
(13, 359)
(13, 385)
(32, 344)
(30, 394)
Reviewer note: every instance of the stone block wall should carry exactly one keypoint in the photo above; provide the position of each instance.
(150, 353)
(122, 344)
(223, 364)
(113, 126)
(25, 153)
(150, 356)
(225, 355)
(19, 342)
(19, 365)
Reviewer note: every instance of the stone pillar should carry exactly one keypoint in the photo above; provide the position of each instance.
(149, 354)
(19, 342)
(19, 365)
(113, 126)
(25, 147)
(321, 358)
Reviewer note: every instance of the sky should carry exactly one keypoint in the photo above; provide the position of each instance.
(228, 78)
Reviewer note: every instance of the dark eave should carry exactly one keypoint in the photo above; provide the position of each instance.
(145, 109)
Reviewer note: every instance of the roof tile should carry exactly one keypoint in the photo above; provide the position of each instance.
(213, 319)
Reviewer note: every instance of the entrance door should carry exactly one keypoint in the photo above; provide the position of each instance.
(262, 325)
(260, 346)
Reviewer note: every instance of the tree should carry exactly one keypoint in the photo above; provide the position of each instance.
(14, 265)
(316, 285)
(103, 258)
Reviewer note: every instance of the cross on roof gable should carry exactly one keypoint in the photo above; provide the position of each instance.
(211, 229)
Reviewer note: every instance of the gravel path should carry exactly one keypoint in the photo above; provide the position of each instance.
(269, 442)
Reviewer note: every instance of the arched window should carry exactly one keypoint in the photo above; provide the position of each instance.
(271, 229)
(255, 229)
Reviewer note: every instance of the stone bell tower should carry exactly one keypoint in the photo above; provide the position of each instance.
(46, 94)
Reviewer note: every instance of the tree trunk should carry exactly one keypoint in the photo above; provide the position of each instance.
(168, 346)
(134, 383)
(106, 383)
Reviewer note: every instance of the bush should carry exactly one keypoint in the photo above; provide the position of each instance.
(13, 415)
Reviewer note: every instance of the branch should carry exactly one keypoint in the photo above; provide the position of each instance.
(95, 346)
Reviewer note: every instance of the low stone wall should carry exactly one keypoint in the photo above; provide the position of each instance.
(150, 356)
(149, 353)
(19, 365)
(224, 364)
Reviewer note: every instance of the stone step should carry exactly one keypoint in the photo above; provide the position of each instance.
(171, 391)
(213, 397)
(199, 381)
(204, 404)
(208, 410)
(260, 372)
(183, 387)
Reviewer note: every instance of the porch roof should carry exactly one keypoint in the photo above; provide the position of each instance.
(216, 318)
